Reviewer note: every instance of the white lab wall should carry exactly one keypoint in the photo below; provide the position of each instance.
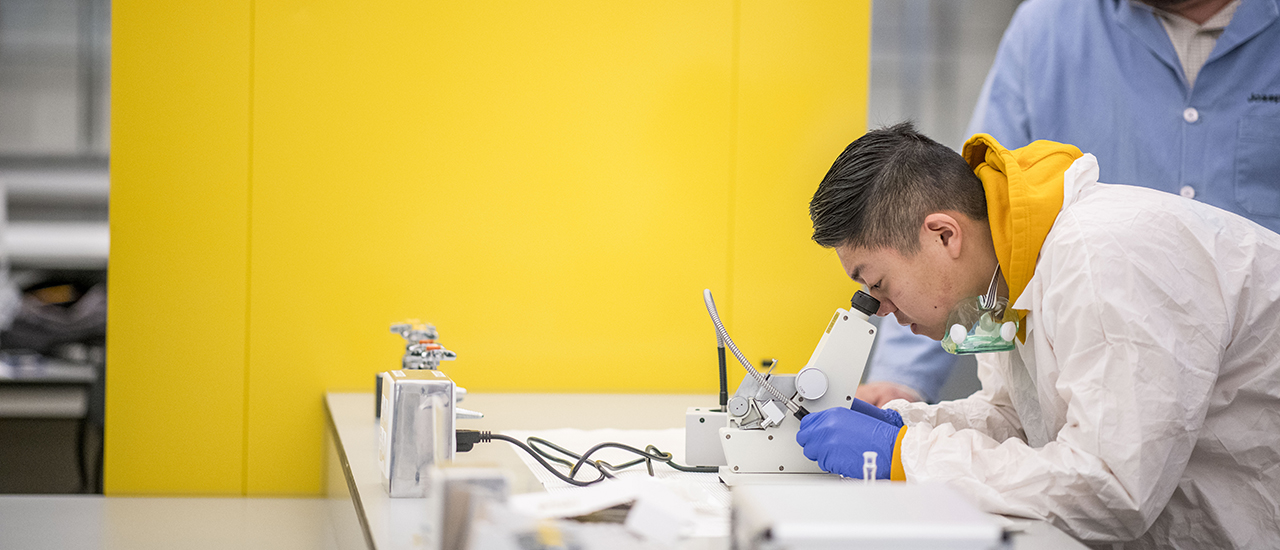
(928, 61)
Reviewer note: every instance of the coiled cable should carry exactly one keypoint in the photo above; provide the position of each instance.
(467, 438)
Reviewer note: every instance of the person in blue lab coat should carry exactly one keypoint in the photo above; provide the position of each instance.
(1177, 95)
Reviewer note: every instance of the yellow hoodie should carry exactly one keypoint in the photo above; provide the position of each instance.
(1024, 196)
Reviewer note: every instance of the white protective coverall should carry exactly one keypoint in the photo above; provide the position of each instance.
(1144, 405)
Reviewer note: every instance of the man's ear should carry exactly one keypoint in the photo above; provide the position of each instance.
(942, 229)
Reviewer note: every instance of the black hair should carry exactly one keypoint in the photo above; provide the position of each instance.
(885, 183)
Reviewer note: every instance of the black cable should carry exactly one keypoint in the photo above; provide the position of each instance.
(681, 467)
(655, 454)
(534, 442)
(649, 454)
(467, 438)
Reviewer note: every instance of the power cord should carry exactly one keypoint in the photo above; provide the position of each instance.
(649, 455)
(466, 439)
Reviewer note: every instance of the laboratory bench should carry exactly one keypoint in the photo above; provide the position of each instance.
(39, 397)
(364, 516)
(52, 388)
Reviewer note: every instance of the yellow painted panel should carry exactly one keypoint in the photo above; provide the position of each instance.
(552, 185)
(546, 182)
(802, 98)
(179, 145)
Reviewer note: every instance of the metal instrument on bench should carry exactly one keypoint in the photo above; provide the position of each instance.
(417, 411)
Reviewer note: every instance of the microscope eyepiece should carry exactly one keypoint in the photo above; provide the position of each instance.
(865, 303)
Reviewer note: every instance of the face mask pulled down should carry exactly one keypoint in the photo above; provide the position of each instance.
(981, 324)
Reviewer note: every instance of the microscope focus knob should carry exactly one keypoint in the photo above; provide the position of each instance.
(811, 383)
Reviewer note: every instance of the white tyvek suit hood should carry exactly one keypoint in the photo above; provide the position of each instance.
(1144, 405)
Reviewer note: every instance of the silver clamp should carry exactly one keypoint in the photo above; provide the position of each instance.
(422, 350)
(427, 355)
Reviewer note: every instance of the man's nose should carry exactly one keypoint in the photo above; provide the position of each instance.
(886, 307)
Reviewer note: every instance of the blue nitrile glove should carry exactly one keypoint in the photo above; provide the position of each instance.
(837, 437)
(889, 416)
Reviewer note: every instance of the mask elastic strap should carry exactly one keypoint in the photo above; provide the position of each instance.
(989, 301)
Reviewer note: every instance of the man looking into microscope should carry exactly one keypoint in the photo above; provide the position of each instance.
(1177, 95)
(1141, 400)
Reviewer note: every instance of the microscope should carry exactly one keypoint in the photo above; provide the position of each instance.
(752, 438)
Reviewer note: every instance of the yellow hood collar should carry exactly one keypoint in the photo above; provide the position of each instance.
(1024, 196)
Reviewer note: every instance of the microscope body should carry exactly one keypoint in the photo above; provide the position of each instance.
(759, 437)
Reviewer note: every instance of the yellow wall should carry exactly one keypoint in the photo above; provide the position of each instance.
(179, 221)
(551, 183)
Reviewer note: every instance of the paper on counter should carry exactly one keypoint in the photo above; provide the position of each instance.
(657, 513)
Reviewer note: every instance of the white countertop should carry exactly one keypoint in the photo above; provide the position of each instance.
(94, 522)
(352, 415)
